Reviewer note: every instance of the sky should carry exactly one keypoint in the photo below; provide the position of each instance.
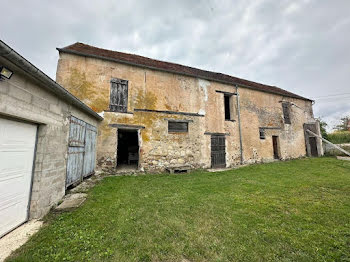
(302, 46)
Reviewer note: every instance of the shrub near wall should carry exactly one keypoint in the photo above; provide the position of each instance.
(340, 137)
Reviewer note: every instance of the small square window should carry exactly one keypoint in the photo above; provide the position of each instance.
(177, 127)
(262, 133)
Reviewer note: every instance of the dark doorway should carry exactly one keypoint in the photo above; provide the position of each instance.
(218, 152)
(128, 147)
(227, 107)
(275, 147)
(313, 146)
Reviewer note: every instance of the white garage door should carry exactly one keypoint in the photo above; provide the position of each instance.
(17, 145)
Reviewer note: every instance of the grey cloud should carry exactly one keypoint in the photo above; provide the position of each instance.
(301, 46)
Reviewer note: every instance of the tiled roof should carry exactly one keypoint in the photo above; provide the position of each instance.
(91, 51)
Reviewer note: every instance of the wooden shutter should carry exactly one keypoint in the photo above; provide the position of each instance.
(285, 107)
(119, 95)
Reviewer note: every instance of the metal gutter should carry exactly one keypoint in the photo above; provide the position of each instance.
(11, 55)
(175, 72)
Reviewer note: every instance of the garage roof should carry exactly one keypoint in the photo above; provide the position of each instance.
(136, 60)
(11, 55)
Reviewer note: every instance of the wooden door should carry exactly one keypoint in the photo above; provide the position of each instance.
(90, 150)
(313, 146)
(310, 140)
(275, 147)
(218, 151)
(81, 151)
(76, 145)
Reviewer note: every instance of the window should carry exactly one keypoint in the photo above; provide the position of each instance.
(119, 95)
(262, 133)
(227, 99)
(286, 112)
(177, 127)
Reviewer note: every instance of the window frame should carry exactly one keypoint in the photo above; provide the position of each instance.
(262, 133)
(230, 110)
(227, 107)
(179, 130)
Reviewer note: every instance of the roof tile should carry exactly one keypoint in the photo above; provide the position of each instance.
(87, 50)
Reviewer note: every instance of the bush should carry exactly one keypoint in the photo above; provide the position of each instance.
(339, 137)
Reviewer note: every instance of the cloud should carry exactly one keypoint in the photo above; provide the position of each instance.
(301, 46)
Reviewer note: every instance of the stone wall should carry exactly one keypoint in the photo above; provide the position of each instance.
(23, 98)
(89, 79)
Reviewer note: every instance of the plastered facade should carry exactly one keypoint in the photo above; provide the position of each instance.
(89, 79)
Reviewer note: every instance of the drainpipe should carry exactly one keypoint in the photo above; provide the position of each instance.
(239, 125)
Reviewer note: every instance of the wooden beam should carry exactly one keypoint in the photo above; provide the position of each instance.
(330, 143)
(123, 126)
(226, 93)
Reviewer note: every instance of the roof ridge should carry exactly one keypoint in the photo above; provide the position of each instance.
(79, 48)
(159, 60)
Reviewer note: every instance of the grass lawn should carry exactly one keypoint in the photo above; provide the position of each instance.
(285, 211)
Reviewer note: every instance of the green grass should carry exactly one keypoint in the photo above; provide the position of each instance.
(339, 137)
(286, 211)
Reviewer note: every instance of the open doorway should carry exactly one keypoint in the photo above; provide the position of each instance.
(276, 154)
(128, 149)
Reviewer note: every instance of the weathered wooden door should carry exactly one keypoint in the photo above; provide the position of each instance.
(76, 149)
(313, 146)
(81, 151)
(90, 150)
(218, 152)
(312, 149)
(275, 147)
(119, 95)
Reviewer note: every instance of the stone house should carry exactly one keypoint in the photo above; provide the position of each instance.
(36, 119)
(160, 115)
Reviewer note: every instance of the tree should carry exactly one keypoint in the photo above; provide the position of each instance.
(323, 126)
(343, 125)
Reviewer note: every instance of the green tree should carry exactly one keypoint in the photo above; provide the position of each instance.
(343, 125)
(323, 126)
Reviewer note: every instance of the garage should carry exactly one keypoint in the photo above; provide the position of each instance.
(37, 149)
(17, 150)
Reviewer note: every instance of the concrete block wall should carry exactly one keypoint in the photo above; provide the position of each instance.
(24, 99)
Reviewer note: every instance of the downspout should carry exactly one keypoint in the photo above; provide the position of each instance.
(239, 125)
